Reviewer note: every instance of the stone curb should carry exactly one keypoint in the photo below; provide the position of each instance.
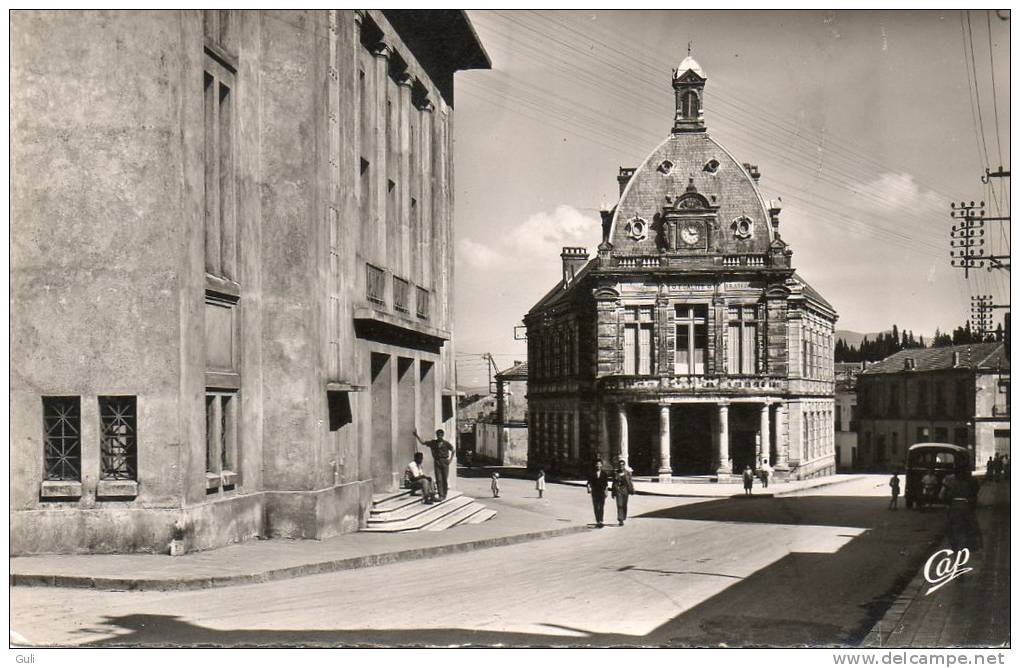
(350, 563)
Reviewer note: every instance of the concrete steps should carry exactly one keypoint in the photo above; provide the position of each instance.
(399, 512)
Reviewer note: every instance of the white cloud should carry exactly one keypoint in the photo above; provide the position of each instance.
(539, 239)
(893, 192)
(477, 256)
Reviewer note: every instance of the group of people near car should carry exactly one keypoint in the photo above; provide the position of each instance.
(997, 468)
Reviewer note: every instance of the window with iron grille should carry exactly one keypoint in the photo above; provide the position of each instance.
(401, 294)
(423, 303)
(375, 284)
(62, 438)
(119, 446)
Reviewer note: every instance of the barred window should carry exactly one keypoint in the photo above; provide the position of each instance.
(423, 303)
(375, 284)
(62, 438)
(401, 294)
(119, 432)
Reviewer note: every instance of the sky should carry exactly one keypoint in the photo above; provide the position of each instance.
(865, 123)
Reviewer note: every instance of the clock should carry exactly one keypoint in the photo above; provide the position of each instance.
(690, 234)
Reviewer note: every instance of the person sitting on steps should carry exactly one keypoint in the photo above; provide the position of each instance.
(415, 479)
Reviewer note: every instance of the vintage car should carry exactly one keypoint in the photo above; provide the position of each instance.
(942, 459)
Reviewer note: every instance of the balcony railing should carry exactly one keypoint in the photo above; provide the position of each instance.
(401, 295)
(744, 261)
(746, 384)
(375, 284)
(638, 261)
(423, 303)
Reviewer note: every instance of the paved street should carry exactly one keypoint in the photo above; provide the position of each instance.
(814, 568)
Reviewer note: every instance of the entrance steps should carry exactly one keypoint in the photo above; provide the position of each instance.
(400, 512)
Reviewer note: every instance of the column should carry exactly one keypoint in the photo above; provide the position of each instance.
(624, 445)
(782, 444)
(725, 465)
(763, 442)
(665, 470)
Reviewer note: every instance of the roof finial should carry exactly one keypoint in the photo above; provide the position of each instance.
(688, 47)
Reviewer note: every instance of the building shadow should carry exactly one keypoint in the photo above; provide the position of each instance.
(845, 511)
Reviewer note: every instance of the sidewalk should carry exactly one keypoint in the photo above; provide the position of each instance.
(970, 611)
(265, 560)
(714, 490)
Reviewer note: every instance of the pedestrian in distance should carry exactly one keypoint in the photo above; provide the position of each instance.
(765, 472)
(623, 487)
(495, 485)
(540, 483)
(442, 454)
(748, 480)
(598, 481)
(1005, 467)
(990, 470)
(894, 490)
(929, 489)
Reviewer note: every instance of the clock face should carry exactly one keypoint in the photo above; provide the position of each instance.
(690, 234)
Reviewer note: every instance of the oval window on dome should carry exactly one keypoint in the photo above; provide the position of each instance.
(743, 227)
(712, 166)
(637, 228)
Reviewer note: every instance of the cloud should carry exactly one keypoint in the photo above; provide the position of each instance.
(896, 192)
(477, 256)
(538, 239)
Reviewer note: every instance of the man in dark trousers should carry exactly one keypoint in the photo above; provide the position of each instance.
(597, 483)
(442, 455)
(623, 487)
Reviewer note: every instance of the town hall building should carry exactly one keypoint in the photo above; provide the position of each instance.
(688, 345)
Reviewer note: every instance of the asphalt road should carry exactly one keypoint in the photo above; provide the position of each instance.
(813, 569)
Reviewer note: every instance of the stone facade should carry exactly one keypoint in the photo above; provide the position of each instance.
(231, 269)
(956, 394)
(688, 345)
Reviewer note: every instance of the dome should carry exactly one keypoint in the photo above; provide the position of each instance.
(689, 63)
(692, 165)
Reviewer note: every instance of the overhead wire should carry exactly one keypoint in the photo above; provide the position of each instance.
(760, 139)
(540, 102)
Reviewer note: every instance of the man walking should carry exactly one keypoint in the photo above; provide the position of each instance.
(442, 455)
(894, 489)
(623, 487)
(597, 483)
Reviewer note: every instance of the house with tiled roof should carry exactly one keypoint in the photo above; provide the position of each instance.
(689, 344)
(954, 394)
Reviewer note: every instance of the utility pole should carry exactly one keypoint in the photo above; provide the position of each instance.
(967, 251)
(491, 368)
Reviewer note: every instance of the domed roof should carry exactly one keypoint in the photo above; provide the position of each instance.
(689, 63)
(682, 165)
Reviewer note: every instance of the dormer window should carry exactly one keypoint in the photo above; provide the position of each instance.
(690, 105)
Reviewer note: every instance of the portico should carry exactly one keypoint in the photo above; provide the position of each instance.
(692, 435)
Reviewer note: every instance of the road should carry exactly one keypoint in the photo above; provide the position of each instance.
(817, 568)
